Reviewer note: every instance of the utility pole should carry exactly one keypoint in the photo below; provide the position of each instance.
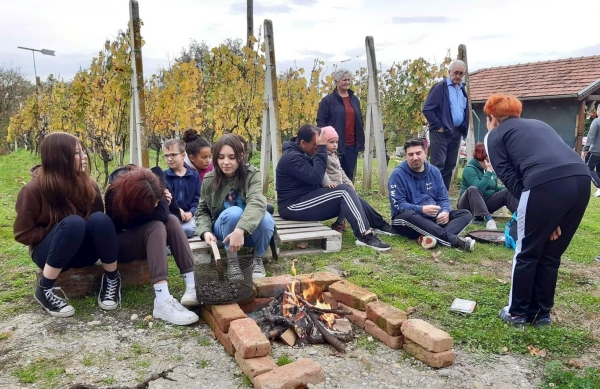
(138, 140)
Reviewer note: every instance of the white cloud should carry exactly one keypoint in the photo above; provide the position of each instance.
(513, 31)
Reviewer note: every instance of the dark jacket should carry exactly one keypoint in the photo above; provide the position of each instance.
(407, 191)
(333, 113)
(160, 213)
(437, 109)
(298, 173)
(186, 189)
(475, 175)
(526, 153)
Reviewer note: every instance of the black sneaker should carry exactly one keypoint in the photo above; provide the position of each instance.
(109, 296)
(467, 244)
(54, 305)
(372, 241)
(385, 230)
(515, 321)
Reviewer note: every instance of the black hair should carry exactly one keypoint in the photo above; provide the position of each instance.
(414, 143)
(194, 142)
(306, 133)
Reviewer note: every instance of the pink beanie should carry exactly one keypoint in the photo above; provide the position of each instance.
(330, 131)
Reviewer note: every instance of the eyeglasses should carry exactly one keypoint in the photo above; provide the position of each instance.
(171, 156)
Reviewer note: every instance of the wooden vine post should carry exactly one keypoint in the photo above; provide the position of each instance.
(271, 136)
(374, 126)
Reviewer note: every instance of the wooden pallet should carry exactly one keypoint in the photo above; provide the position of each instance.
(290, 231)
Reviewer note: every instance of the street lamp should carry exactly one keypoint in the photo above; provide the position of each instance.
(43, 51)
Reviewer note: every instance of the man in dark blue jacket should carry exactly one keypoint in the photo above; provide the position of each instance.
(447, 113)
(301, 196)
(420, 204)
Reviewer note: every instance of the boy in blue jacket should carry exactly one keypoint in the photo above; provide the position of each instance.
(184, 182)
(420, 204)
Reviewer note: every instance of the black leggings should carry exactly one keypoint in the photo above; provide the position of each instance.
(75, 242)
(327, 203)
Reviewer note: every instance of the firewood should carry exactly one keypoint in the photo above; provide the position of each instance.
(332, 340)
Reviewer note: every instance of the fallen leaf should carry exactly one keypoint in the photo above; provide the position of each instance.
(576, 363)
(536, 352)
(505, 350)
(500, 281)
(302, 245)
(148, 318)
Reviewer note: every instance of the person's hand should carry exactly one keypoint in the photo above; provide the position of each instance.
(431, 210)
(488, 166)
(331, 185)
(322, 138)
(182, 214)
(555, 234)
(168, 196)
(441, 129)
(235, 239)
(187, 216)
(209, 237)
(443, 218)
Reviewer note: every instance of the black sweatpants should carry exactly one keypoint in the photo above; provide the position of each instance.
(443, 152)
(327, 203)
(559, 203)
(593, 162)
(412, 224)
(474, 202)
(75, 242)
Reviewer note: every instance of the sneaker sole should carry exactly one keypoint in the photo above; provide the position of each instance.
(107, 307)
(179, 322)
(258, 275)
(359, 243)
(190, 303)
(56, 314)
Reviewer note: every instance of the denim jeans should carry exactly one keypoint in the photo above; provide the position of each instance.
(259, 239)
(189, 227)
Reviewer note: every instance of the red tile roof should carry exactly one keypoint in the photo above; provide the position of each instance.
(564, 77)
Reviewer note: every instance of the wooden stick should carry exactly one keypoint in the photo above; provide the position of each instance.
(332, 340)
(339, 311)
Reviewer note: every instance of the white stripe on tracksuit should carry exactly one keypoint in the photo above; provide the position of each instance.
(327, 197)
(521, 212)
(404, 223)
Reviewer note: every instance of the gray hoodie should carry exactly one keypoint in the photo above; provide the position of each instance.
(592, 144)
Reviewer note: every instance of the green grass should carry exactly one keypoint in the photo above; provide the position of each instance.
(42, 372)
(284, 360)
(406, 276)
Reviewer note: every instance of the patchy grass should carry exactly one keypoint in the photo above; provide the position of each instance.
(406, 276)
(41, 372)
(284, 360)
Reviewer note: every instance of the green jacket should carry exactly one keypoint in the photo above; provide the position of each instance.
(474, 175)
(211, 202)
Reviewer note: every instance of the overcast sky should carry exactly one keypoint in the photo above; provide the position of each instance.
(496, 33)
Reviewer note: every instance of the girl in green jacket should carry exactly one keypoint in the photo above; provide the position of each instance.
(480, 192)
(233, 208)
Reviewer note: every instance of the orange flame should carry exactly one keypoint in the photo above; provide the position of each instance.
(312, 294)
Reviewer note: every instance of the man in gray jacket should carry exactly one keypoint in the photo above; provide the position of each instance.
(591, 151)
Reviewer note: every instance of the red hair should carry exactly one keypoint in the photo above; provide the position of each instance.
(503, 106)
(136, 192)
(479, 152)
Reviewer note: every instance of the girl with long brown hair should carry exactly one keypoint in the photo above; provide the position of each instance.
(60, 216)
(139, 206)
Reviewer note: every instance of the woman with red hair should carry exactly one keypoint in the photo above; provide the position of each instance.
(480, 192)
(552, 184)
(139, 207)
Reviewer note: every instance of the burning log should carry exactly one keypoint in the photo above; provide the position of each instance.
(332, 340)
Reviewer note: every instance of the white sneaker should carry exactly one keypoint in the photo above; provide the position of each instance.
(174, 313)
(597, 193)
(491, 225)
(189, 298)
(258, 268)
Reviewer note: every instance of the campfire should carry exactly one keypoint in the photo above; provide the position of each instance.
(305, 318)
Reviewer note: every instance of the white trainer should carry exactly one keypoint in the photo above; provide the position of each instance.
(189, 298)
(597, 193)
(174, 313)
(491, 225)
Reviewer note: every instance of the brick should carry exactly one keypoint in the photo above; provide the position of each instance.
(273, 286)
(207, 317)
(426, 335)
(386, 317)
(394, 342)
(328, 299)
(248, 339)
(224, 339)
(442, 359)
(253, 367)
(225, 314)
(342, 325)
(322, 279)
(256, 305)
(292, 376)
(357, 317)
(352, 295)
